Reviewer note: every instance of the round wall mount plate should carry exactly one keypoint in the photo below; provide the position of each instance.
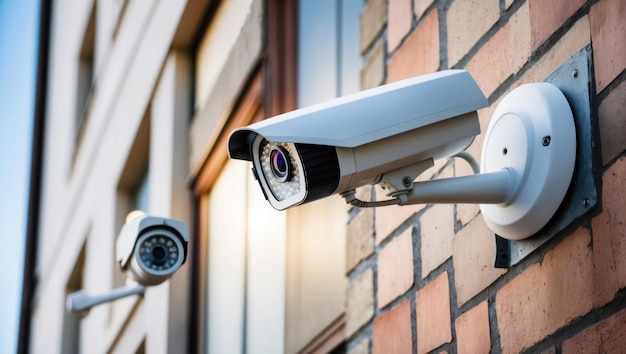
(531, 134)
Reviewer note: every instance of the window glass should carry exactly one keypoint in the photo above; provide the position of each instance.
(317, 51)
(329, 59)
(275, 280)
(86, 69)
(350, 60)
(226, 261)
(329, 65)
(139, 197)
(246, 266)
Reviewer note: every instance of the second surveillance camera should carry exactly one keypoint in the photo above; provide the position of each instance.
(351, 141)
(151, 248)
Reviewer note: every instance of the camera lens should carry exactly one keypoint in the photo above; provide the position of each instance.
(159, 252)
(279, 163)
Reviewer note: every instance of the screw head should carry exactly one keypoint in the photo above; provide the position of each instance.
(546, 140)
(575, 73)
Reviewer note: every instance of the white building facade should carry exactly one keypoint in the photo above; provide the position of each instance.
(141, 95)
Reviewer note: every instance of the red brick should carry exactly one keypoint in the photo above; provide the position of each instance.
(547, 296)
(608, 33)
(468, 21)
(360, 238)
(609, 236)
(389, 218)
(420, 6)
(432, 307)
(373, 71)
(612, 120)
(399, 22)
(473, 250)
(472, 330)
(546, 16)
(505, 53)
(372, 20)
(578, 37)
(392, 331)
(436, 232)
(395, 268)
(359, 302)
(604, 337)
(420, 52)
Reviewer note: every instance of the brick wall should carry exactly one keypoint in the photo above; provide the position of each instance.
(422, 277)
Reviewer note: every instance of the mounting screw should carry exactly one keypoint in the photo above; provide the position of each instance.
(546, 140)
(406, 181)
(575, 73)
(586, 203)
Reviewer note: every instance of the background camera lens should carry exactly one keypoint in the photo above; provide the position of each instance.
(158, 253)
(279, 163)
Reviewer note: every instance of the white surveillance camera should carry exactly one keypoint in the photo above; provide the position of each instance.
(391, 134)
(348, 142)
(151, 248)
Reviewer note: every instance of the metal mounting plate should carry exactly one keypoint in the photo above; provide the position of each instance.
(573, 79)
(532, 135)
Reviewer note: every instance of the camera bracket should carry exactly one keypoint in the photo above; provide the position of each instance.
(574, 79)
(401, 180)
(532, 134)
(528, 159)
(81, 301)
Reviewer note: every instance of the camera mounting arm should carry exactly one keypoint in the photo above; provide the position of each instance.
(81, 301)
(486, 188)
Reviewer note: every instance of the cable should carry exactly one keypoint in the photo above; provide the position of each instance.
(470, 160)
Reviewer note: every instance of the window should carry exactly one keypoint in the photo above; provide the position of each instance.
(329, 66)
(139, 197)
(133, 187)
(246, 267)
(85, 75)
(268, 281)
(329, 60)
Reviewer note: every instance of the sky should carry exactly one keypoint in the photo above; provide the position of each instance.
(18, 49)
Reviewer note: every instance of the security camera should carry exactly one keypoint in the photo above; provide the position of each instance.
(391, 134)
(348, 142)
(151, 248)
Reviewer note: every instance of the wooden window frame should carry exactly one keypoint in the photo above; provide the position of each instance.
(270, 90)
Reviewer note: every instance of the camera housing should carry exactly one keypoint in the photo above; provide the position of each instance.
(351, 141)
(151, 248)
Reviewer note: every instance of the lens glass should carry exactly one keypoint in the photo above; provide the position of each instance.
(280, 169)
(159, 252)
(279, 165)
